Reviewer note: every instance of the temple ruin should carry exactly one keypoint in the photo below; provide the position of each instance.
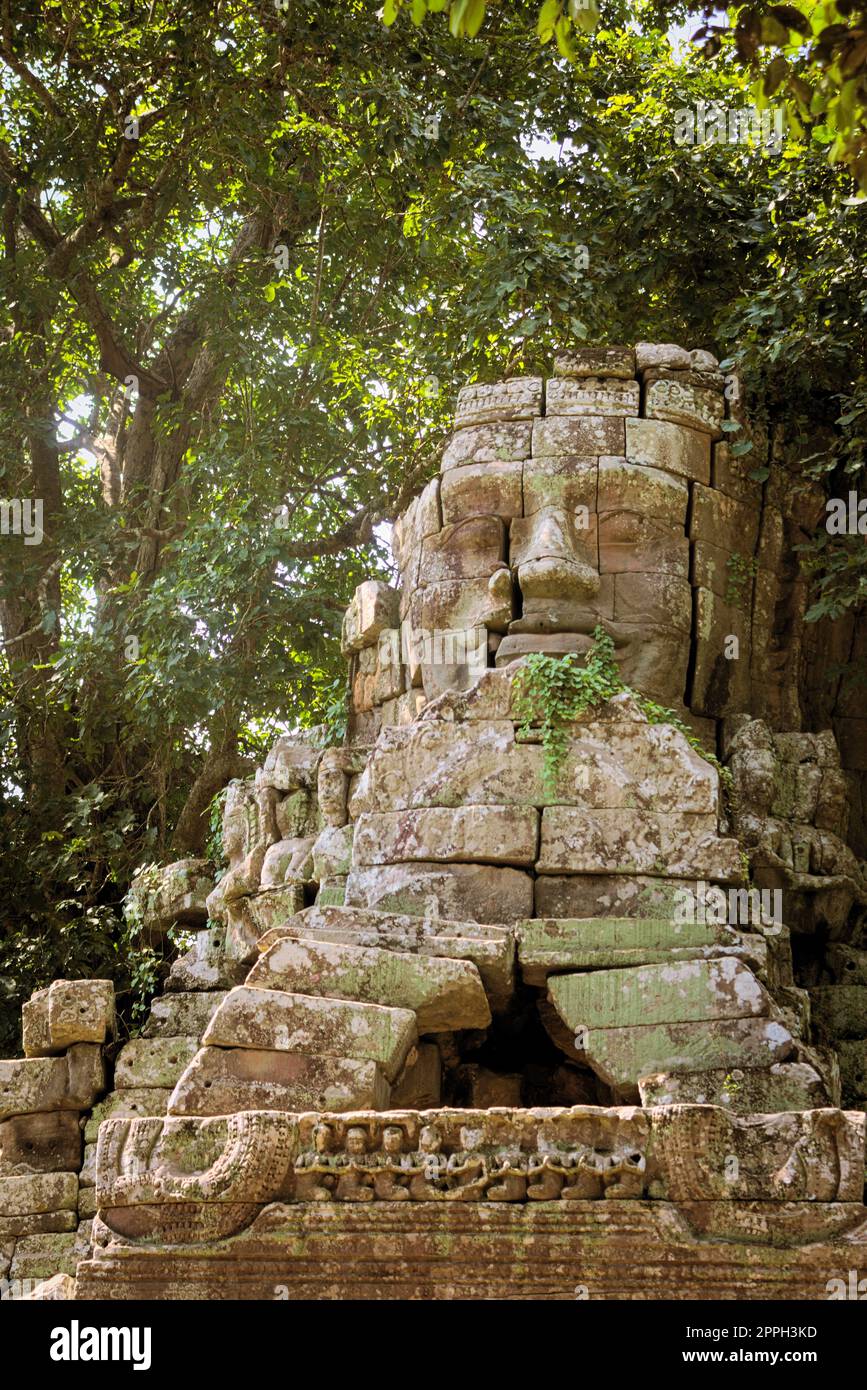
(444, 1032)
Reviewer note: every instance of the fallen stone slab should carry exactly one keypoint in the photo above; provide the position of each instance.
(444, 994)
(679, 993)
(754, 1091)
(278, 1021)
(549, 945)
(491, 948)
(155, 1062)
(619, 1056)
(223, 1081)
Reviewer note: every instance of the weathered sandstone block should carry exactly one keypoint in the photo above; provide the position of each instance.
(485, 834)
(274, 1020)
(783, 1086)
(183, 1014)
(635, 842)
(69, 1011)
(47, 1142)
(517, 399)
(463, 892)
(621, 1055)
(147, 1062)
(444, 994)
(676, 993)
(223, 1081)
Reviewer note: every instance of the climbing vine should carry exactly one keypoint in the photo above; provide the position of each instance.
(551, 692)
(741, 571)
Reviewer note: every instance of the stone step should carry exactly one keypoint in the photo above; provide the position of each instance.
(548, 945)
(490, 948)
(222, 1081)
(445, 994)
(684, 992)
(758, 1091)
(275, 1020)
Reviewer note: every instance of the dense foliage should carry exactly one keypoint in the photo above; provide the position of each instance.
(249, 251)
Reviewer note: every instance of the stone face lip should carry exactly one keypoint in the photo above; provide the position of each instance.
(445, 994)
(465, 834)
(487, 444)
(783, 1086)
(68, 1012)
(222, 1081)
(679, 993)
(277, 1021)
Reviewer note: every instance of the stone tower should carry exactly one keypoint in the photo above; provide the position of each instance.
(492, 1003)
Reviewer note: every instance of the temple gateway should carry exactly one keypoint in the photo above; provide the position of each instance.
(445, 1030)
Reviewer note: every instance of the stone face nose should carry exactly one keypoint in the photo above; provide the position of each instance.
(549, 562)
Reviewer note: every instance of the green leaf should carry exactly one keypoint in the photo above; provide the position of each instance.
(390, 11)
(548, 16)
(585, 14)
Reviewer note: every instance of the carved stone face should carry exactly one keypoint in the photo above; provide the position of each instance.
(356, 1140)
(430, 1140)
(392, 1139)
(323, 1139)
(615, 501)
